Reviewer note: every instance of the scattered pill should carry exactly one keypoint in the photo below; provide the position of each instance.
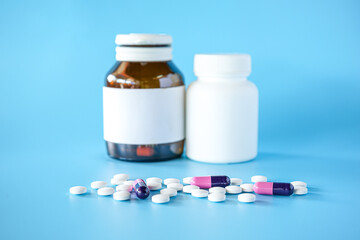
(169, 191)
(121, 196)
(247, 187)
(299, 184)
(105, 191)
(247, 197)
(154, 185)
(217, 197)
(160, 198)
(187, 180)
(98, 184)
(300, 191)
(141, 189)
(78, 190)
(210, 181)
(154, 179)
(116, 181)
(177, 186)
(233, 189)
(189, 188)
(217, 190)
(121, 176)
(171, 180)
(124, 187)
(236, 181)
(258, 178)
(129, 182)
(200, 193)
(274, 188)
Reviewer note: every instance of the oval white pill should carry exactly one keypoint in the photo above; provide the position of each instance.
(236, 181)
(177, 186)
(299, 184)
(169, 191)
(160, 198)
(300, 191)
(154, 179)
(78, 190)
(154, 185)
(247, 197)
(200, 193)
(129, 182)
(116, 181)
(98, 184)
(121, 196)
(189, 188)
(187, 180)
(217, 190)
(105, 191)
(247, 187)
(171, 180)
(124, 187)
(258, 178)
(216, 197)
(121, 176)
(233, 189)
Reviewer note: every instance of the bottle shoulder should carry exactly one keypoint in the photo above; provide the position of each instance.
(227, 86)
(144, 75)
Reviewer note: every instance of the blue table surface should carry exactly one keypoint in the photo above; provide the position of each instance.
(305, 62)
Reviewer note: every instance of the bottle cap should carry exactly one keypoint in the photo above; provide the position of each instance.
(222, 65)
(135, 47)
(143, 39)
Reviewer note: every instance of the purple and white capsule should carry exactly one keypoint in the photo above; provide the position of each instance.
(273, 188)
(140, 188)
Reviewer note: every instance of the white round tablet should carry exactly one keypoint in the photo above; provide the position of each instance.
(171, 180)
(217, 190)
(123, 187)
(233, 189)
(169, 191)
(121, 176)
(116, 181)
(187, 180)
(299, 184)
(78, 190)
(105, 191)
(121, 196)
(200, 193)
(129, 182)
(98, 184)
(247, 197)
(154, 179)
(217, 197)
(160, 198)
(236, 181)
(300, 191)
(177, 186)
(247, 187)
(189, 188)
(154, 185)
(258, 178)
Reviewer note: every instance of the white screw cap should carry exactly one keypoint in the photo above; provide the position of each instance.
(220, 65)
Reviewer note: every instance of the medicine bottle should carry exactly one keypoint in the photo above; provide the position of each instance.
(222, 110)
(143, 100)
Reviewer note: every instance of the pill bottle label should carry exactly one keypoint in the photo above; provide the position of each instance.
(144, 116)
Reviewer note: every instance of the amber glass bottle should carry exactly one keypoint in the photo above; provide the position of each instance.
(144, 100)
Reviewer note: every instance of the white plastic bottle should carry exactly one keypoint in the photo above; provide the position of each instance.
(222, 110)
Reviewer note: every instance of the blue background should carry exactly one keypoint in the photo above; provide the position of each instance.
(306, 64)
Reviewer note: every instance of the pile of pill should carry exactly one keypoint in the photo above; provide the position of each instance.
(215, 188)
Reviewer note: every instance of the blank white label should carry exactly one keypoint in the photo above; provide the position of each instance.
(144, 116)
